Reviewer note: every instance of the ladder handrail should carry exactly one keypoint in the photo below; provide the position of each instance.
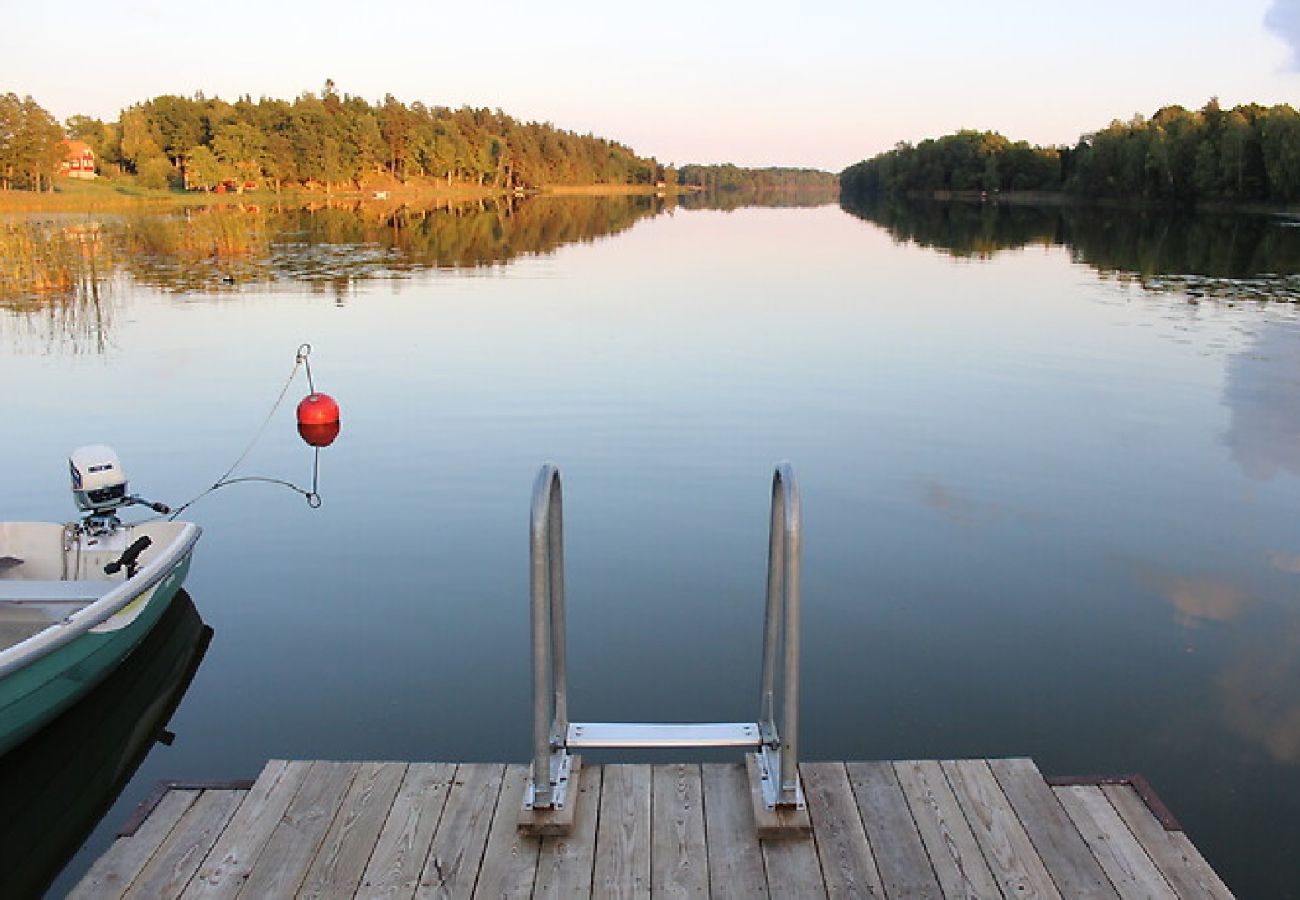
(781, 626)
(777, 743)
(550, 695)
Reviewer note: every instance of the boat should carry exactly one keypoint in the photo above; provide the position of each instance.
(59, 784)
(77, 598)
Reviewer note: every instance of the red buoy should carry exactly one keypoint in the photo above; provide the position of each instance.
(320, 434)
(318, 409)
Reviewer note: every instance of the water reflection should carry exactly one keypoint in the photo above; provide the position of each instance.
(58, 784)
(1285, 562)
(728, 200)
(1198, 599)
(1256, 689)
(1260, 383)
(228, 248)
(1235, 257)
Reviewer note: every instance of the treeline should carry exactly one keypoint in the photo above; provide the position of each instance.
(31, 144)
(332, 139)
(1248, 154)
(772, 180)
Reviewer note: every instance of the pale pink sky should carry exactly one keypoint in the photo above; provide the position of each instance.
(755, 83)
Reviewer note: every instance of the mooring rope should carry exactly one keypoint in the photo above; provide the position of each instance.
(301, 360)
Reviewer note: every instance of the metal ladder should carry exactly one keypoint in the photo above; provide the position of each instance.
(776, 750)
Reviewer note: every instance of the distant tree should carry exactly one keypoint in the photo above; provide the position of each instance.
(205, 170)
(155, 171)
(241, 148)
(10, 125)
(31, 144)
(1279, 136)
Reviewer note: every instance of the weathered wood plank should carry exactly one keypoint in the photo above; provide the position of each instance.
(1062, 849)
(848, 866)
(1171, 851)
(792, 868)
(457, 850)
(679, 859)
(231, 861)
(955, 854)
(896, 843)
(510, 860)
(565, 862)
(622, 867)
(1007, 849)
(112, 873)
(1126, 863)
(735, 857)
(398, 858)
(186, 846)
(288, 854)
(341, 860)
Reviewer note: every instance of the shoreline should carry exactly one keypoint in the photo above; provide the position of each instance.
(1062, 199)
(110, 195)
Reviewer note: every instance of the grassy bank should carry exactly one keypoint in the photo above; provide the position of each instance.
(108, 195)
(118, 194)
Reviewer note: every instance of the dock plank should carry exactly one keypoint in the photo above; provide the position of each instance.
(1062, 849)
(180, 855)
(679, 866)
(288, 854)
(912, 828)
(341, 860)
(622, 868)
(231, 860)
(564, 865)
(510, 860)
(793, 870)
(1128, 866)
(1171, 851)
(848, 865)
(112, 874)
(954, 853)
(457, 849)
(735, 858)
(1007, 849)
(398, 858)
(896, 843)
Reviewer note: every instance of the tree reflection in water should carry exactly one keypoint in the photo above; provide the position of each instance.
(1229, 256)
(62, 269)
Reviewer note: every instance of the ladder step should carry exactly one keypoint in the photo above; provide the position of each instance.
(666, 734)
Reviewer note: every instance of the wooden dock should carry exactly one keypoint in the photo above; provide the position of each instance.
(952, 828)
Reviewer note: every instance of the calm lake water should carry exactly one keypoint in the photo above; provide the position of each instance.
(1050, 469)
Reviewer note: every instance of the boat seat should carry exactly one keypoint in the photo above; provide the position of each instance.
(15, 591)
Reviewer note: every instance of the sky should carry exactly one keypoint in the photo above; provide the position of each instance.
(820, 84)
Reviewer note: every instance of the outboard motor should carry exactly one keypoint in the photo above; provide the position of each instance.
(99, 488)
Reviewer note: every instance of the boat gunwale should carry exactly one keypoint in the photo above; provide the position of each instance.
(76, 624)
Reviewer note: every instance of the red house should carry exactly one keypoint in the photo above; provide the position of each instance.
(78, 160)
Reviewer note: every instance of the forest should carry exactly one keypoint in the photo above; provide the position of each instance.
(1177, 157)
(771, 180)
(326, 140)
(331, 140)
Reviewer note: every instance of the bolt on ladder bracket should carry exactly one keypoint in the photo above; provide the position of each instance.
(773, 763)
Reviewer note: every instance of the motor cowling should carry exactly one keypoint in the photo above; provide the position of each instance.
(98, 480)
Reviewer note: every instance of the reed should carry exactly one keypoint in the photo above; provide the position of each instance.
(43, 260)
